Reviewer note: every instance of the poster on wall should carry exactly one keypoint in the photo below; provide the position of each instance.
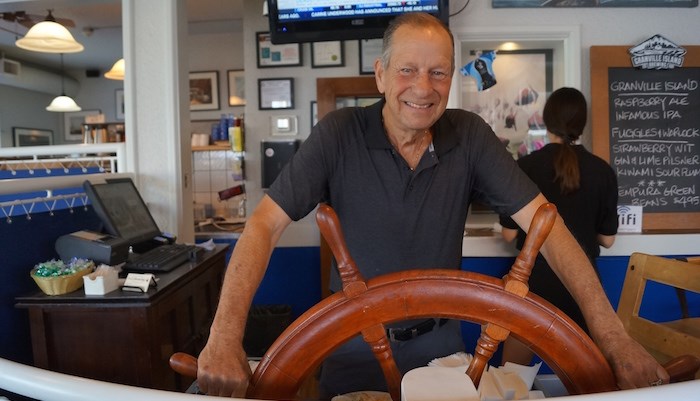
(592, 3)
(513, 105)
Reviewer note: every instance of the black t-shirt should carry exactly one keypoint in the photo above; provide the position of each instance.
(394, 218)
(590, 211)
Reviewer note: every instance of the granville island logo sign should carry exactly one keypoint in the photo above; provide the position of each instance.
(657, 53)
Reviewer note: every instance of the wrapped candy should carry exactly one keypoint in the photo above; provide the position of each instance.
(55, 268)
(55, 277)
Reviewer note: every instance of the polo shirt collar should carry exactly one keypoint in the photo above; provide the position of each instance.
(445, 135)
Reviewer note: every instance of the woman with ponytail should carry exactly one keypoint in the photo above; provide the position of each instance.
(584, 189)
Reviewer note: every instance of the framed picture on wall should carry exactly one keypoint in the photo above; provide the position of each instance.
(314, 113)
(204, 90)
(119, 102)
(276, 93)
(269, 55)
(608, 4)
(327, 54)
(32, 136)
(236, 88)
(73, 123)
(513, 107)
(370, 50)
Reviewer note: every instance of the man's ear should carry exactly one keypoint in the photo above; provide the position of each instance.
(379, 75)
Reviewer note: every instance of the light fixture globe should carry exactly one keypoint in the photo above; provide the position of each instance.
(63, 103)
(117, 71)
(49, 37)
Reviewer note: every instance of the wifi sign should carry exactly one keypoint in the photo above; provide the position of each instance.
(629, 219)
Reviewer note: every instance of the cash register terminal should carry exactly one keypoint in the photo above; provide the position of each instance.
(125, 216)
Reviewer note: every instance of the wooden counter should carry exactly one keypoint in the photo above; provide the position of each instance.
(486, 243)
(128, 337)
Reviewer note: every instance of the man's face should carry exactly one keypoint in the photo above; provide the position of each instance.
(416, 83)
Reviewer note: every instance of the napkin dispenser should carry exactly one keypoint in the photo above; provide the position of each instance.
(98, 247)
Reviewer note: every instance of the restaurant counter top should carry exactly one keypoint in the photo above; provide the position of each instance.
(483, 239)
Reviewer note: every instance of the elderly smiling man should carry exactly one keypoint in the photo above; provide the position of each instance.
(401, 174)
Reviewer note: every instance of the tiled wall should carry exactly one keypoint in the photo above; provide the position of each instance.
(213, 172)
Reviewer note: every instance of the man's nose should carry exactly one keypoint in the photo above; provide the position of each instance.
(422, 81)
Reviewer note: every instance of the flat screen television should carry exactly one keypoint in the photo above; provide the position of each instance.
(123, 212)
(295, 21)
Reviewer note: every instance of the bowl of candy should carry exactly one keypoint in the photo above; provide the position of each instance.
(55, 277)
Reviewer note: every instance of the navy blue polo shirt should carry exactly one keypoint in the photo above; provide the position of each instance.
(393, 218)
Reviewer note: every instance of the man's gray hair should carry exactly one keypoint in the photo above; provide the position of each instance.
(418, 20)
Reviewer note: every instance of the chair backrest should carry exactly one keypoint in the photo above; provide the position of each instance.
(664, 340)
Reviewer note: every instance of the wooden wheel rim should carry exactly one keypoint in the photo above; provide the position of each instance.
(466, 296)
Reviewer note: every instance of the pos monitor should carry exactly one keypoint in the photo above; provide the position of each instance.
(123, 212)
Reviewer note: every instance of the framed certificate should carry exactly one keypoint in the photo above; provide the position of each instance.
(270, 55)
(275, 93)
(370, 50)
(327, 54)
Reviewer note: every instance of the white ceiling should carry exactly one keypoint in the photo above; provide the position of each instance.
(97, 27)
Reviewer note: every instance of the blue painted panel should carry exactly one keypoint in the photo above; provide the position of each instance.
(25, 242)
(293, 277)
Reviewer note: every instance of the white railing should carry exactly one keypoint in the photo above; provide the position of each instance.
(53, 164)
(107, 156)
(45, 385)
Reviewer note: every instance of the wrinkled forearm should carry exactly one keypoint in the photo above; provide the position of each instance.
(245, 271)
(573, 268)
(223, 368)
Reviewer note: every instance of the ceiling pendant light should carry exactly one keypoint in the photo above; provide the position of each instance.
(63, 103)
(117, 71)
(49, 37)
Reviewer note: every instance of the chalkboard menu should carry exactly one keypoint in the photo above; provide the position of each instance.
(655, 137)
(646, 124)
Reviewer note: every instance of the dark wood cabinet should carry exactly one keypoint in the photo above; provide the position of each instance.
(127, 337)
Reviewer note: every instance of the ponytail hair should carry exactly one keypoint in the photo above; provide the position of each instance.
(565, 116)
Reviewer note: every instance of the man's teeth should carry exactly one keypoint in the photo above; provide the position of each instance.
(418, 106)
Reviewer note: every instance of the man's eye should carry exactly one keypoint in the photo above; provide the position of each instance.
(406, 71)
(439, 75)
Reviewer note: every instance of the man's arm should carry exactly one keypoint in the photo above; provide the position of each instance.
(632, 364)
(606, 240)
(508, 234)
(223, 368)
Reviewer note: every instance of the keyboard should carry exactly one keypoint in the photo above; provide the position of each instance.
(163, 258)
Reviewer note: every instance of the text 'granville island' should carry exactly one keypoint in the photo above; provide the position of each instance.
(647, 86)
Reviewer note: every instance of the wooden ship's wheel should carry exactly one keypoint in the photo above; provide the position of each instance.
(504, 306)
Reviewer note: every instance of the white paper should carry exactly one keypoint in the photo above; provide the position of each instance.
(138, 281)
(435, 383)
(629, 219)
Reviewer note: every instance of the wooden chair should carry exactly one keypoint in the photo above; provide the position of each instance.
(363, 307)
(668, 339)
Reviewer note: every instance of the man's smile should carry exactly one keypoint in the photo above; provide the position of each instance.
(418, 106)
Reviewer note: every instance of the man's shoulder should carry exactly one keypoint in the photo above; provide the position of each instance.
(461, 115)
(465, 122)
(342, 120)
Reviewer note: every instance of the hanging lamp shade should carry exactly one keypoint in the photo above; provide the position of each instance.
(49, 37)
(62, 104)
(117, 71)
